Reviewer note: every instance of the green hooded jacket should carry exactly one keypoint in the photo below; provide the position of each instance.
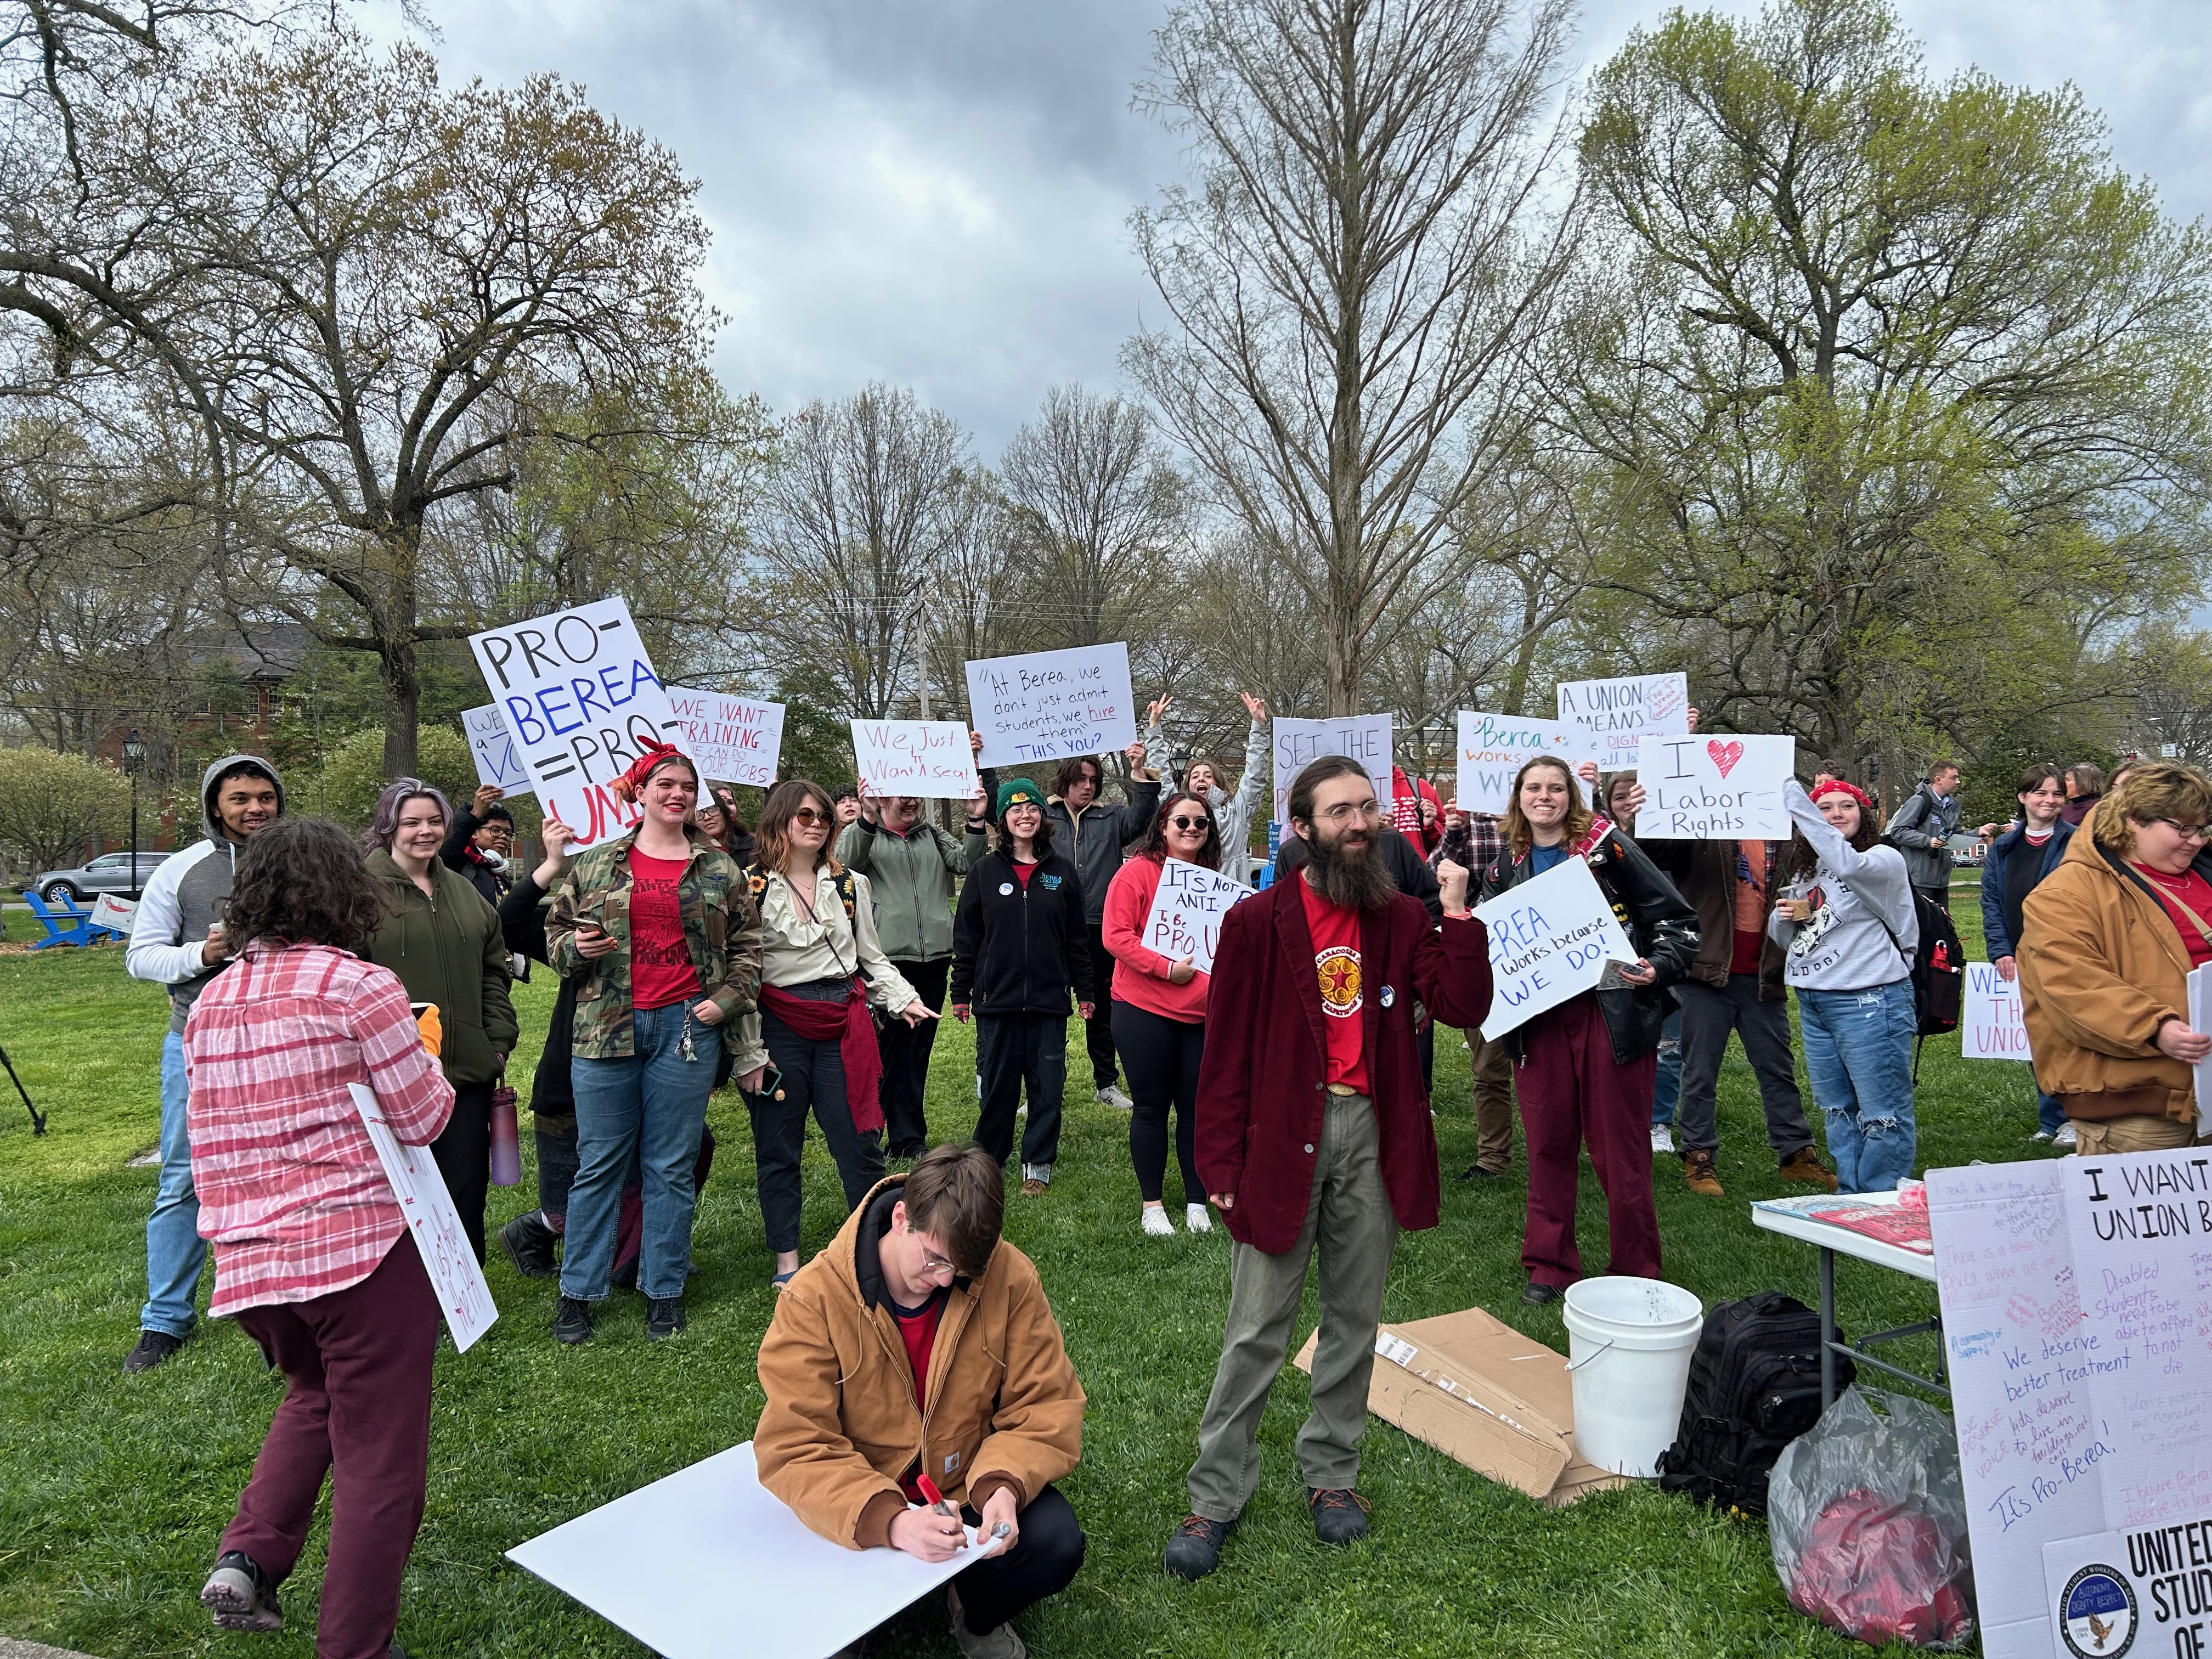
(448, 950)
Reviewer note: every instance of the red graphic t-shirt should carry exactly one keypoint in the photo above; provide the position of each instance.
(661, 970)
(1335, 930)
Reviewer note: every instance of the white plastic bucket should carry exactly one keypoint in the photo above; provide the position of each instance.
(1629, 1342)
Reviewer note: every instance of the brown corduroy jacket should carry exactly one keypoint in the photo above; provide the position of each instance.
(2101, 968)
(841, 1425)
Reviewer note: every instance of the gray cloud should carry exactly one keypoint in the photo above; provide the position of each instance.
(935, 192)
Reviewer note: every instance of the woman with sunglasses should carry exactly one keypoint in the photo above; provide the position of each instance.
(812, 1045)
(2110, 938)
(1159, 1012)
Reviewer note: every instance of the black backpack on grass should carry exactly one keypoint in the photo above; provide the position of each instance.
(1754, 1387)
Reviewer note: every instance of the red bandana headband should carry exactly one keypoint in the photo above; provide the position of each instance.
(1837, 787)
(631, 784)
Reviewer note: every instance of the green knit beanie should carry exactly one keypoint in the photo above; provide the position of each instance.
(1014, 792)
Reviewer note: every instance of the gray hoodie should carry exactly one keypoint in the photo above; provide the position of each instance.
(1232, 814)
(183, 898)
(1863, 928)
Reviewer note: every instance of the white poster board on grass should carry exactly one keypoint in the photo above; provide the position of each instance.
(1185, 920)
(1990, 1027)
(1620, 711)
(1051, 705)
(2200, 1019)
(1296, 742)
(1716, 787)
(929, 759)
(1492, 748)
(706, 1563)
(580, 694)
(733, 738)
(491, 745)
(463, 1297)
(1551, 937)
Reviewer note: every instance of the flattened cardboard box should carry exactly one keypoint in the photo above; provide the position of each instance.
(1482, 1393)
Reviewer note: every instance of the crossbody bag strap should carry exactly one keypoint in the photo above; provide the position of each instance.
(1895, 943)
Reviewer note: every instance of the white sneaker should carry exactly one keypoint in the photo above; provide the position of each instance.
(1156, 1224)
(2066, 1137)
(1195, 1218)
(1111, 1095)
(1662, 1138)
(2041, 1134)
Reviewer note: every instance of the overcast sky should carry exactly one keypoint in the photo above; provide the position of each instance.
(935, 192)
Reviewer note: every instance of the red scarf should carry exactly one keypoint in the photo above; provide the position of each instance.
(849, 1023)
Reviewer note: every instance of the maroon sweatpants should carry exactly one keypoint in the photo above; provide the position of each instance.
(1572, 1089)
(358, 1409)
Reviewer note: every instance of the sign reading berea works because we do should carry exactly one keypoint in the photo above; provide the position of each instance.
(1551, 937)
(1493, 748)
(580, 694)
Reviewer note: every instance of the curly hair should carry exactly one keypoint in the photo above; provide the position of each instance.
(2151, 790)
(1804, 860)
(1153, 843)
(301, 881)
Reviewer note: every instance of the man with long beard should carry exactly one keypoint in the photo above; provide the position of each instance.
(1313, 1126)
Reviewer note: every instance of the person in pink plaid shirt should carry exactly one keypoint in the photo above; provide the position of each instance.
(312, 1257)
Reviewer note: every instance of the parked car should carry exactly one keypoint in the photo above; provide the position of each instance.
(108, 874)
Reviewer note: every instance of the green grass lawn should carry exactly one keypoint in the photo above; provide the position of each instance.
(114, 1489)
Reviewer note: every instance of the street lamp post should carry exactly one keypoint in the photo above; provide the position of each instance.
(134, 757)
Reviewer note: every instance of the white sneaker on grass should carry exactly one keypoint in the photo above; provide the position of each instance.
(1662, 1138)
(2066, 1137)
(2041, 1134)
(1195, 1218)
(1111, 1095)
(1156, 1224)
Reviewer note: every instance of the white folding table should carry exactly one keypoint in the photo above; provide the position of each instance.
(1832, 1241)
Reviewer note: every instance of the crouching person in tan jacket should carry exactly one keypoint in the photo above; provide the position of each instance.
(920, 1345)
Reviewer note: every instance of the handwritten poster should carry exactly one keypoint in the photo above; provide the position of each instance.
(1551, 937)
(463, 1297)
(1185, 920)
(2200, 1018)
(1713, 788)
(1296, 743)
(1990, 1027)
(926, 758)
(1052, 704)
(1620, 711)
(733, 738)
(492, 745)
(1492, 748)
(580, 694)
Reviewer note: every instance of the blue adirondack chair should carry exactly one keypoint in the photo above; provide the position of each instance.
(64, 923)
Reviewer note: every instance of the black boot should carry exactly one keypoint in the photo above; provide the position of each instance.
(529, 1243)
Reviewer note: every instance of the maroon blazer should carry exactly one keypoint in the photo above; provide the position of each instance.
(1261, 1093)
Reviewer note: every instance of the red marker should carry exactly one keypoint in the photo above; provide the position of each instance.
(937, 1499)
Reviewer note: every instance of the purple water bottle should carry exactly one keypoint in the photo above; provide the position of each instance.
(506, 1140)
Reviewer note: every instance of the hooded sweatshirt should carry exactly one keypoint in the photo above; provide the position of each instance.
(1233, 814)
(449, 950)
(1863, 928)
(183, 898)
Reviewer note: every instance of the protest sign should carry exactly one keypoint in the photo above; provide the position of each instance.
(1991, 1029)
(1719, 787)
(115, 913)
(498, 761)
(1050, 705)
(1551, 937)
(1185, 920)
(1620, 711)
(927, 758)
(463, 1297)
(1494, 747)
(1365, 738)
(2200, 1018)
(733, 738)
(2103, 1592)
(580, 696)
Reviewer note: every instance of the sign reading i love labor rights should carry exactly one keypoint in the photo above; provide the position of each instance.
(580, 696)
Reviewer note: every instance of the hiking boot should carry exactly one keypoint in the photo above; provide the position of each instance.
(1339, 1514)
(664, 1317)
(1805, 1165)
(1001, 1643)
(239, 1595)
(572, 1322)
(1195, 1550)
(529, 1243)
(1033, 1188)
(1540, 1296)
(1698, 1171)
(153, 1348)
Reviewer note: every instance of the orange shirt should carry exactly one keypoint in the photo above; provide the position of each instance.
(1335, 930)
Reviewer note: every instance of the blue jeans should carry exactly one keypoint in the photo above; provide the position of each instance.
(1667, 1087)
(2050, 1115)
(174, 1249)
(1858, 1053)
(650, 1107)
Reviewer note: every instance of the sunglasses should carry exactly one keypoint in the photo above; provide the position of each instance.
(808, 815)
(1179, 822)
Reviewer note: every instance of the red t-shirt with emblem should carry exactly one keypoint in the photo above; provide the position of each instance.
(1335, 929)
(661, 970)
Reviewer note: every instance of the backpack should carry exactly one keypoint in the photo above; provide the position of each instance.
(1754, 1387)
(1939, 971)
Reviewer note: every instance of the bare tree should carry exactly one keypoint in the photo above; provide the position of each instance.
(1355, 278)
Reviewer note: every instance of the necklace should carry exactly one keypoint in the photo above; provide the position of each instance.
(2172, 884)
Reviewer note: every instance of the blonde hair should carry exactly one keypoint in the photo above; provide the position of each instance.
(2151, 790)
(1519, 837)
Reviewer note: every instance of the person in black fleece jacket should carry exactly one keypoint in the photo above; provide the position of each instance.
(1020, 944)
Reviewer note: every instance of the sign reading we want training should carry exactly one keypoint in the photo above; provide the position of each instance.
(580, 696)
(1052, 704)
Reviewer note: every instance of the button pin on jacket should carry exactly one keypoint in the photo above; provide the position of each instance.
(1005, 888)
(1390, 995)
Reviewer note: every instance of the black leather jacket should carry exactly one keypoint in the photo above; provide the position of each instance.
(1659, 922)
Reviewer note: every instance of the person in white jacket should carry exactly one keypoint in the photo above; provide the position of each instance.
(1848, 929)
(177, 940)
(1233, 811)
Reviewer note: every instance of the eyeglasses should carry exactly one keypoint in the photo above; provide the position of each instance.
(2187, 831)
(1180, 823)
(1343, 810)
(808, 815)
(931, 1261)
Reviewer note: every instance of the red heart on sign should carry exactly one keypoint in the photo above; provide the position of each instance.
(1725, 754)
